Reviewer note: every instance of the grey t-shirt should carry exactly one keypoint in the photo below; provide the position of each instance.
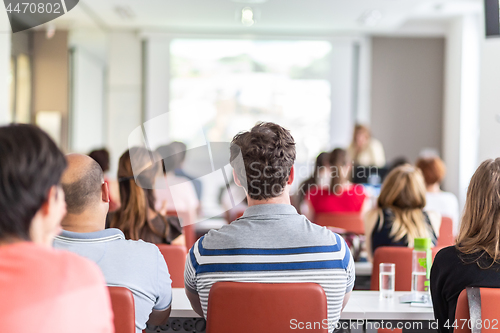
(136, 265)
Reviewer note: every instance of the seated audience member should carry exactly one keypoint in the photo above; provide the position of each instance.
(101, 156)
(42, 290)
(445, 203)
(137, 216)
(175, 193)
(475, 259)
(365, 150)
(136, 265)
(340, 196)
(270, 224)
(399, 217)
(319, 179)
(180, 152)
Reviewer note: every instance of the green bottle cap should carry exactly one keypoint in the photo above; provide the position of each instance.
(422, 244)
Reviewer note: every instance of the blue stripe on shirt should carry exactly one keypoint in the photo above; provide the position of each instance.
(248, 267)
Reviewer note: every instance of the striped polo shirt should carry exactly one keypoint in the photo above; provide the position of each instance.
(272, 244)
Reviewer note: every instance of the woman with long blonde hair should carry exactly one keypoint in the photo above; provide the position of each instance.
(399, 217)
(137, 217)
(475, 259)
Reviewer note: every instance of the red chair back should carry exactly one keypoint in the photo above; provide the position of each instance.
(350, 222)
(490, 311)
(175, 257)
(188, 230)
(264, 307)
(446, 237)
(122, 302)
(402, 257)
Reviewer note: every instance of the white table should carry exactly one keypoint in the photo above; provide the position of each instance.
(362, 305)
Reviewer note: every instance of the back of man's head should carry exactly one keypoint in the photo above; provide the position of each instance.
(30, 164)
(82, 184)
(101, 156)
(268, 154)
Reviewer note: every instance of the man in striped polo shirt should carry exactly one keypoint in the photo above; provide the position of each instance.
(271, 242)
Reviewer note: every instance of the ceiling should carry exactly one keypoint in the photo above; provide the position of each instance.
(271, 16)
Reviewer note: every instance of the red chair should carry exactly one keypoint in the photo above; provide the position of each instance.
(490, 310)
(350, 222)
(122, 302)
(265, 307)
(175, 257)
(402, 257)
(188, 230)
(446, 237)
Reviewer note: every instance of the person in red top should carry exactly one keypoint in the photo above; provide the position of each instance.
(42, 289)
(341, 196)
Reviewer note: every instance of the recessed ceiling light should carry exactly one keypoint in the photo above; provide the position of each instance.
(247, 17)
(125, 12)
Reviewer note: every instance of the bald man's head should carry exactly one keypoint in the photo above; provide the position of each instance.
(81, 183)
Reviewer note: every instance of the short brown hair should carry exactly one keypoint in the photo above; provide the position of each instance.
(480, 227)
(268, 154)
(433, 169)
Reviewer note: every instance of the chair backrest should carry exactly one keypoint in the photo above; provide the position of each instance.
(188, 230)
(122, 302)
(402, 257)
(490, 311)
(350, 222)
(446, 237)
(265, 307)
(175, 257)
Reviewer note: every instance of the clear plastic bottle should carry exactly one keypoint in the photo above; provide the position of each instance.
(421, 266)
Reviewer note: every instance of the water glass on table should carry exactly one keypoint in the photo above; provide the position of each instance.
(387, 280)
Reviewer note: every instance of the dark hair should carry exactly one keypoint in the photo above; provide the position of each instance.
(304, 187)
(168, 156)
(268, 154)
(179, 153)
(338, 159)
(30, 165)
(136, 194)
(84, 191)
(101, 156)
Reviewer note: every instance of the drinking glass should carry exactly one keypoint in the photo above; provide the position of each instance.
(387, 279)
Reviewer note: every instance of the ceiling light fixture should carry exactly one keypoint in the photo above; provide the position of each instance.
(125, 12)
(247, 17)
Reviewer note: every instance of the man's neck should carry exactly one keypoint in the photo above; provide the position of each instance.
(83, 223)
(283, 199)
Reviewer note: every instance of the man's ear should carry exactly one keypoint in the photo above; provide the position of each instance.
(236, 180)
(105, 192)
(292, 176)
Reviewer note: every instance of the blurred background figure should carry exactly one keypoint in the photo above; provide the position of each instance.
(340, 195)
(400, 217)
(320, 178)
(175, 193)
(445, 203)
(365, 150)
(101, 156)
(137, 216)
(179, 149)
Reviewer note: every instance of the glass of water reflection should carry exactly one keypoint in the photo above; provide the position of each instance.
(387, 280)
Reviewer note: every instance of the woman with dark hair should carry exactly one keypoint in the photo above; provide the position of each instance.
(340, 196)
(475, 260)
(137, 216)
(320, 178)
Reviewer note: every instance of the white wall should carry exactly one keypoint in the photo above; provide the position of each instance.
(489, 141)
(87, 116)
(5, 41)
(124, 84)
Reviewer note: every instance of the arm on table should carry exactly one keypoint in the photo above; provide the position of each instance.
(159, 317)
(194, 299)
